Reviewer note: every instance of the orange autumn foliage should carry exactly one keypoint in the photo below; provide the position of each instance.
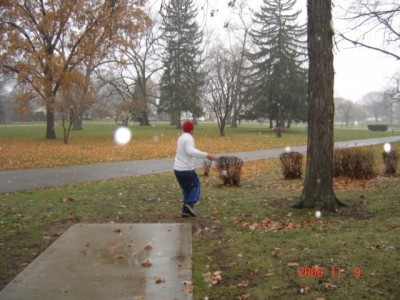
(28, 153)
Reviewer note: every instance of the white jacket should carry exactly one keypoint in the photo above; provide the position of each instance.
(186, 153)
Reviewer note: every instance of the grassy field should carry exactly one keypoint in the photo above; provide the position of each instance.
(248, 243)
(23, 146)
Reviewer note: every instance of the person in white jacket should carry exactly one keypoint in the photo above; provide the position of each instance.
(184, 170)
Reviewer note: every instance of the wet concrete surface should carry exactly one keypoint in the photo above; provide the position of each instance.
(110, 261)
(22, 180)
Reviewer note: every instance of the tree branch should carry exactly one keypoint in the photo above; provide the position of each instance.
(357, 43)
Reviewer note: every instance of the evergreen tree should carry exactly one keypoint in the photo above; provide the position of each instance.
(181, 80)
(278, 62)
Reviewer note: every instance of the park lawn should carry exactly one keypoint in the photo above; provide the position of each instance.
(248, 243)
(24, 147)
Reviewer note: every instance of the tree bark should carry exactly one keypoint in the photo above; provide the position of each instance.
(144, 120)
(78, 124)
(234, 122)
(318, 191)
(50, 130)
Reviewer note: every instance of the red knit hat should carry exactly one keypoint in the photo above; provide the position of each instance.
(187, 126)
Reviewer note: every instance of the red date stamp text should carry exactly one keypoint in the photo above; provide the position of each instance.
(334, 272)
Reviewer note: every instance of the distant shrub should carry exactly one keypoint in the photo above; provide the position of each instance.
(390, 159)
(278, 131)
(357, 163)
(292, 163)
(230, 168)
(377, 127)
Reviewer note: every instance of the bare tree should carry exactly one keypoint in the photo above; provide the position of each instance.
(369, 20)
(238, 36)
(141, 61)
(374, 101)
(222, 84)
(393, 91)
(345, 107)
(120, 92)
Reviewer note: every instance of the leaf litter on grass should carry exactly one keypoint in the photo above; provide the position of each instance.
(269, 225)
(254, 241)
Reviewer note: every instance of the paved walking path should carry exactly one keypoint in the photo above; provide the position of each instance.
(110, 261)
(22, 180)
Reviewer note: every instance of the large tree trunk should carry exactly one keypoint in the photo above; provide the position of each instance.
(318, 188)
(78, 124)
(221, 125)
(235, 116)
(50, 130)
(144, 120)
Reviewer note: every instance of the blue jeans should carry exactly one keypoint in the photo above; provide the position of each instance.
(190, 185)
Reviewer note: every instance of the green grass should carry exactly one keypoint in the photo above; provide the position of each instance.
(253, 264)
(104, 129)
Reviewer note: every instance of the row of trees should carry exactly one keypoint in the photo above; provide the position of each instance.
(375, 107)
(117, 60)
(261, 74)
(111, 55)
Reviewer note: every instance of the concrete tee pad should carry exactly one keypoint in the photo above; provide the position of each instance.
(110, 261)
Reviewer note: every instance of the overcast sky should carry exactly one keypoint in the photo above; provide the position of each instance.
(358, 71)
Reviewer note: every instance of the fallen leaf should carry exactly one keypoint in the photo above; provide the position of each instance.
(146, 264)
(188, 286)
(375, 272)
(159, 280)
(116, 245)
(243, 283)
(276, 253)
(118, 230)
(212, 277)
(244, 297)
(148, 248)
(329, 285)
(217, 212)
(275, 287)
(254, 272)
